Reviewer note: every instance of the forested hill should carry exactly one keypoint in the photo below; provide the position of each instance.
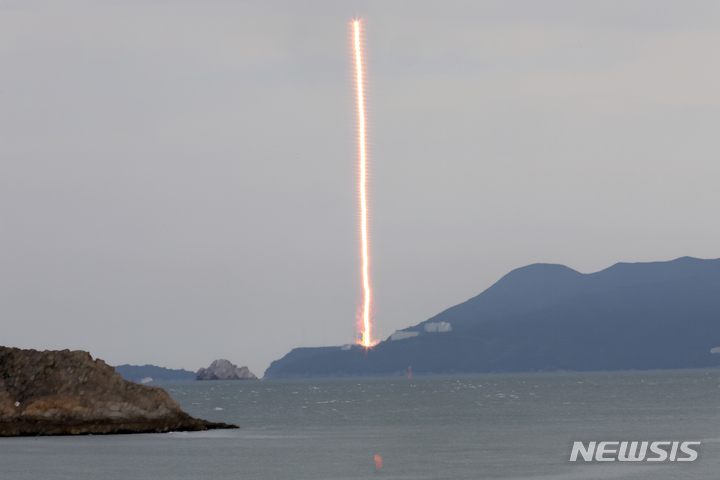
(545, 317)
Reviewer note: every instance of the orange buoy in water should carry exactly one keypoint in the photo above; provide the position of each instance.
(378, 461)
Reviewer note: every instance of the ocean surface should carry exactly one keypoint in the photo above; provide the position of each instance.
(519, 426)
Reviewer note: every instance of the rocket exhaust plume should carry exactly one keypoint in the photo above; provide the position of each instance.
(363, 325)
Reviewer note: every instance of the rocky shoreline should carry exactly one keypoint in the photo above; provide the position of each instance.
(68, 393)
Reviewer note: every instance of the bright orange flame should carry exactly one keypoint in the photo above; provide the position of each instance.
(364, 327)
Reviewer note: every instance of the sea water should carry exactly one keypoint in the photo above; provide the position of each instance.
(446, 427)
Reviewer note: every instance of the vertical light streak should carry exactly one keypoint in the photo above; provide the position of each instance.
(366, 339)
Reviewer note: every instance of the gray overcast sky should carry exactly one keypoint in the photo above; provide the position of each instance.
(178, 179)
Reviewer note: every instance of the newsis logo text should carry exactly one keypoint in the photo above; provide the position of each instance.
(629, 451)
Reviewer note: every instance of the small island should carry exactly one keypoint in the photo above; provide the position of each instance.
(222, 369)
(151, 373)
(68, 393)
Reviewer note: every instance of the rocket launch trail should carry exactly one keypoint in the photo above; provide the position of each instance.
(363, 325)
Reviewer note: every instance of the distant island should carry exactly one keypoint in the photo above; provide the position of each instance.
(69, 393)
(222, 369)
(545, 317)
(151, 373)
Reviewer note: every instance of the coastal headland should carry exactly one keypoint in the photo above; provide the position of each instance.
(546, 317)
(70, 393)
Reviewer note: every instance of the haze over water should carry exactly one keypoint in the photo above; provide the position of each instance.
(463, 427)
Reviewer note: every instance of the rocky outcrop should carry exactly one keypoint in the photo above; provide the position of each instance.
(69, 393)
(224, 370)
